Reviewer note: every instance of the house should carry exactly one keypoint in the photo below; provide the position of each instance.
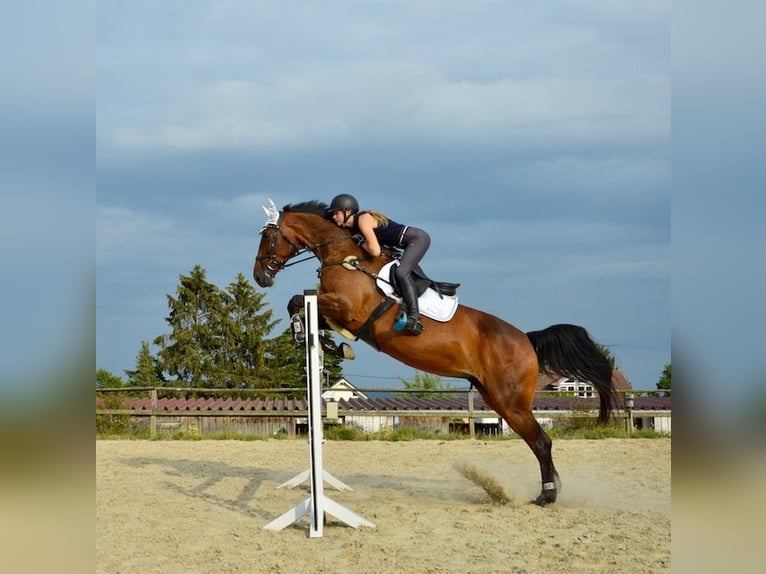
(552, 383)
(648, 414)
(342, 390)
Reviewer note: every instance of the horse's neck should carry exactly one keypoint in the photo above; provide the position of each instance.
(313, 232)
(329, 244)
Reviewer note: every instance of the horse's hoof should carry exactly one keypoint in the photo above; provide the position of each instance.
(342, 351)
(544, 499)
(549, 492)
(346, 351)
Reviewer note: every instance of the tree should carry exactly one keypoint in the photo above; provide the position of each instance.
(285, 362)
(608, 354)
(243, 324)
(426, 382)
(148, 372)
(107, 380)
(218, 339)
(664, 382)
(187, 351)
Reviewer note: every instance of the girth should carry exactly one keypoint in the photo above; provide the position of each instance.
(365, 331)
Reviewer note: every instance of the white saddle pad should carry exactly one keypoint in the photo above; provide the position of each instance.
(440, 308)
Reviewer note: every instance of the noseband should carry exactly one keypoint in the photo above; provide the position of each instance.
(270, 261)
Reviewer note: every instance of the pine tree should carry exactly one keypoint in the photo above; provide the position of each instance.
(147, 372)
(244, 325)
(608, 354)
(218, 339)
(188, 352)
(665, 380)
(285, 364)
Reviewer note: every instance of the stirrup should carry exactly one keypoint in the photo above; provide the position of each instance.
(414, 326)
(409, 324)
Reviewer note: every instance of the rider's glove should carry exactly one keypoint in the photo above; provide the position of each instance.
(358, 239)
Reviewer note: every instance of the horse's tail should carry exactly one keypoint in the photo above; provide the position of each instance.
(568, 350)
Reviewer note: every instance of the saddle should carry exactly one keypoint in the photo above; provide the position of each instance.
(423, 282)
(436, 299)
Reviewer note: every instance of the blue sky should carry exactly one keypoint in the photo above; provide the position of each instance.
(532, 141)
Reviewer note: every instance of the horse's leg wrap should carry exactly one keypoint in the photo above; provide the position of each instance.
(342, 351)
(295, 306)
(298, 329)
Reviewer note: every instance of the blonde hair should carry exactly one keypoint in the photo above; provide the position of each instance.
(380, 217)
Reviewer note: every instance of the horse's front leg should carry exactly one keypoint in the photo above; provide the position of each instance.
(296, 306)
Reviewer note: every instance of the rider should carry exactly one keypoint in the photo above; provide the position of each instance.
(377, 230)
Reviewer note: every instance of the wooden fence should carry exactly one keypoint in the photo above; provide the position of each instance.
(267, 422)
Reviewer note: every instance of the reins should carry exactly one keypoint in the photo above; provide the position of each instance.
(274, 263)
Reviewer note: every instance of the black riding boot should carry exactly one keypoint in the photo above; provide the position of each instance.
(410, 296)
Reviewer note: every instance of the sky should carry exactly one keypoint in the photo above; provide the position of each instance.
(531, 140)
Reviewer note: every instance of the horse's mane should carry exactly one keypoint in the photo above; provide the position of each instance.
(315, 207)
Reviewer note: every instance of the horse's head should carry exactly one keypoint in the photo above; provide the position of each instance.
(275, 249)
(298, 228)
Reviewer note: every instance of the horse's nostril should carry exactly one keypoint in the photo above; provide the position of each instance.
(264, 279)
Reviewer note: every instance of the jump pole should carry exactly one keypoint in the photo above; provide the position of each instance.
(317, 504)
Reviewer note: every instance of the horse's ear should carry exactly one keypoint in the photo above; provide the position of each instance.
(272, 213)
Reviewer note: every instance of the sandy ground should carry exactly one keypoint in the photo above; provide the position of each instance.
(185, 506)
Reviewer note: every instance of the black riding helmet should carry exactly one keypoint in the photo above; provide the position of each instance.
(343, 202)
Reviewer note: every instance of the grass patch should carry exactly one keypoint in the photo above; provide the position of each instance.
(577, 428)
(344, 432)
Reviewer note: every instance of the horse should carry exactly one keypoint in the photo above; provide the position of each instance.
(498, 359)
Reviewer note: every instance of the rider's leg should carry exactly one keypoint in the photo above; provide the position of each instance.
(410, 296)
(416, 243)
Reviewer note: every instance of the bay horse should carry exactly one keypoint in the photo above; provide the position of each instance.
(498, 359)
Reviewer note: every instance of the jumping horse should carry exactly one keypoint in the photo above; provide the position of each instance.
(499, 360)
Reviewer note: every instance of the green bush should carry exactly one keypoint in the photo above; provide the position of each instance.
(113, 424)
(344, 432)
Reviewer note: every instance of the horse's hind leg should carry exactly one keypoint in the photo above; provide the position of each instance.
(524, 423)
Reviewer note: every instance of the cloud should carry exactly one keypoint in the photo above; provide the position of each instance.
(523, 79)
(382, 102)
(532, 142)
(125, 236)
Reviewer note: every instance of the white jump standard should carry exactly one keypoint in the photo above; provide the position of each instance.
(317, 504)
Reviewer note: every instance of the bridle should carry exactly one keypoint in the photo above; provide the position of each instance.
(273, 264)
(270, 261)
